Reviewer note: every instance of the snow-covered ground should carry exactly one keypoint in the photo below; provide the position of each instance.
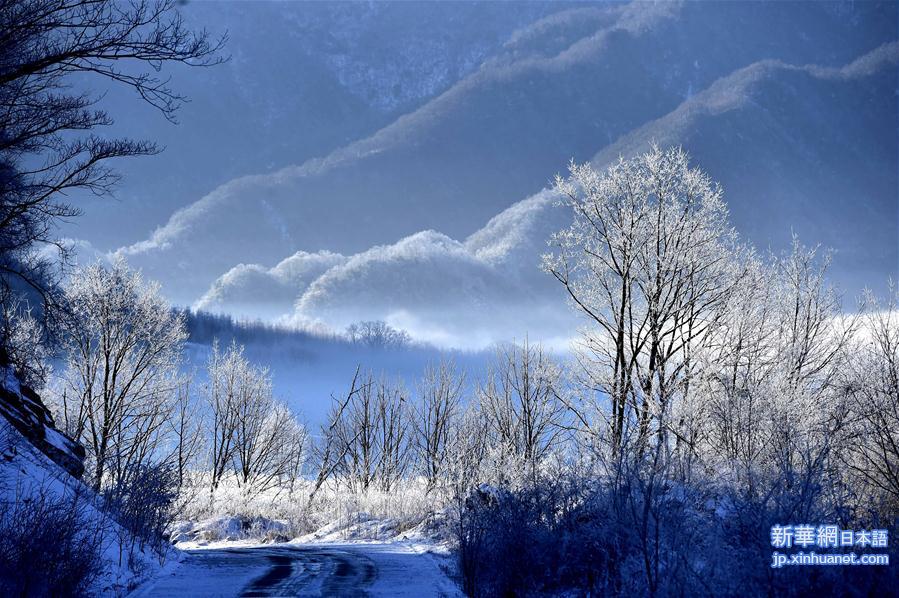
(226, 556)
(282, 543)
(353, 555)
(305, 569)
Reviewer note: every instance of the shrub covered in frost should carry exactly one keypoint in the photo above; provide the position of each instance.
(49, 544)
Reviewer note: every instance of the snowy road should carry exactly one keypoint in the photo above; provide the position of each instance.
(304, 570)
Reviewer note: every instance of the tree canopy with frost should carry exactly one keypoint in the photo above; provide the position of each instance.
(648, 259)
(123, 347)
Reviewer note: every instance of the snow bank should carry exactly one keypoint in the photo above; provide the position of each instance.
(26, 473)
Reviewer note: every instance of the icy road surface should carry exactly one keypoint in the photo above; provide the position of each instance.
(303, 570)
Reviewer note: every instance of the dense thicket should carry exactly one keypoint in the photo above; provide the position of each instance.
(715, 393)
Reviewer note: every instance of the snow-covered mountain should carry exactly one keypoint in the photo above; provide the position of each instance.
(564, 86)
(778, 176)
(804, 149)
(303, 80)
(422, 222)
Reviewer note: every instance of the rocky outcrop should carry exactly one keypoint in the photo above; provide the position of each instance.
(25, 411)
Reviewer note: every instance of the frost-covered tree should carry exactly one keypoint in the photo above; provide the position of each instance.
(366, 442)
(393, 434)
(251, 436)
(186, 425)
(224, 375)
(23, 341)
(377, 334)
(435, 417)
(123, 347)
(269, 445)
(873, 390)
(648, 261)
(358, 432)
(520, 401)
(705, 367)
(716, 391)
(334, 444)
(773, 365)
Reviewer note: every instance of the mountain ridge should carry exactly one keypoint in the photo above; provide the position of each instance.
(489, 148)
(498, 263)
